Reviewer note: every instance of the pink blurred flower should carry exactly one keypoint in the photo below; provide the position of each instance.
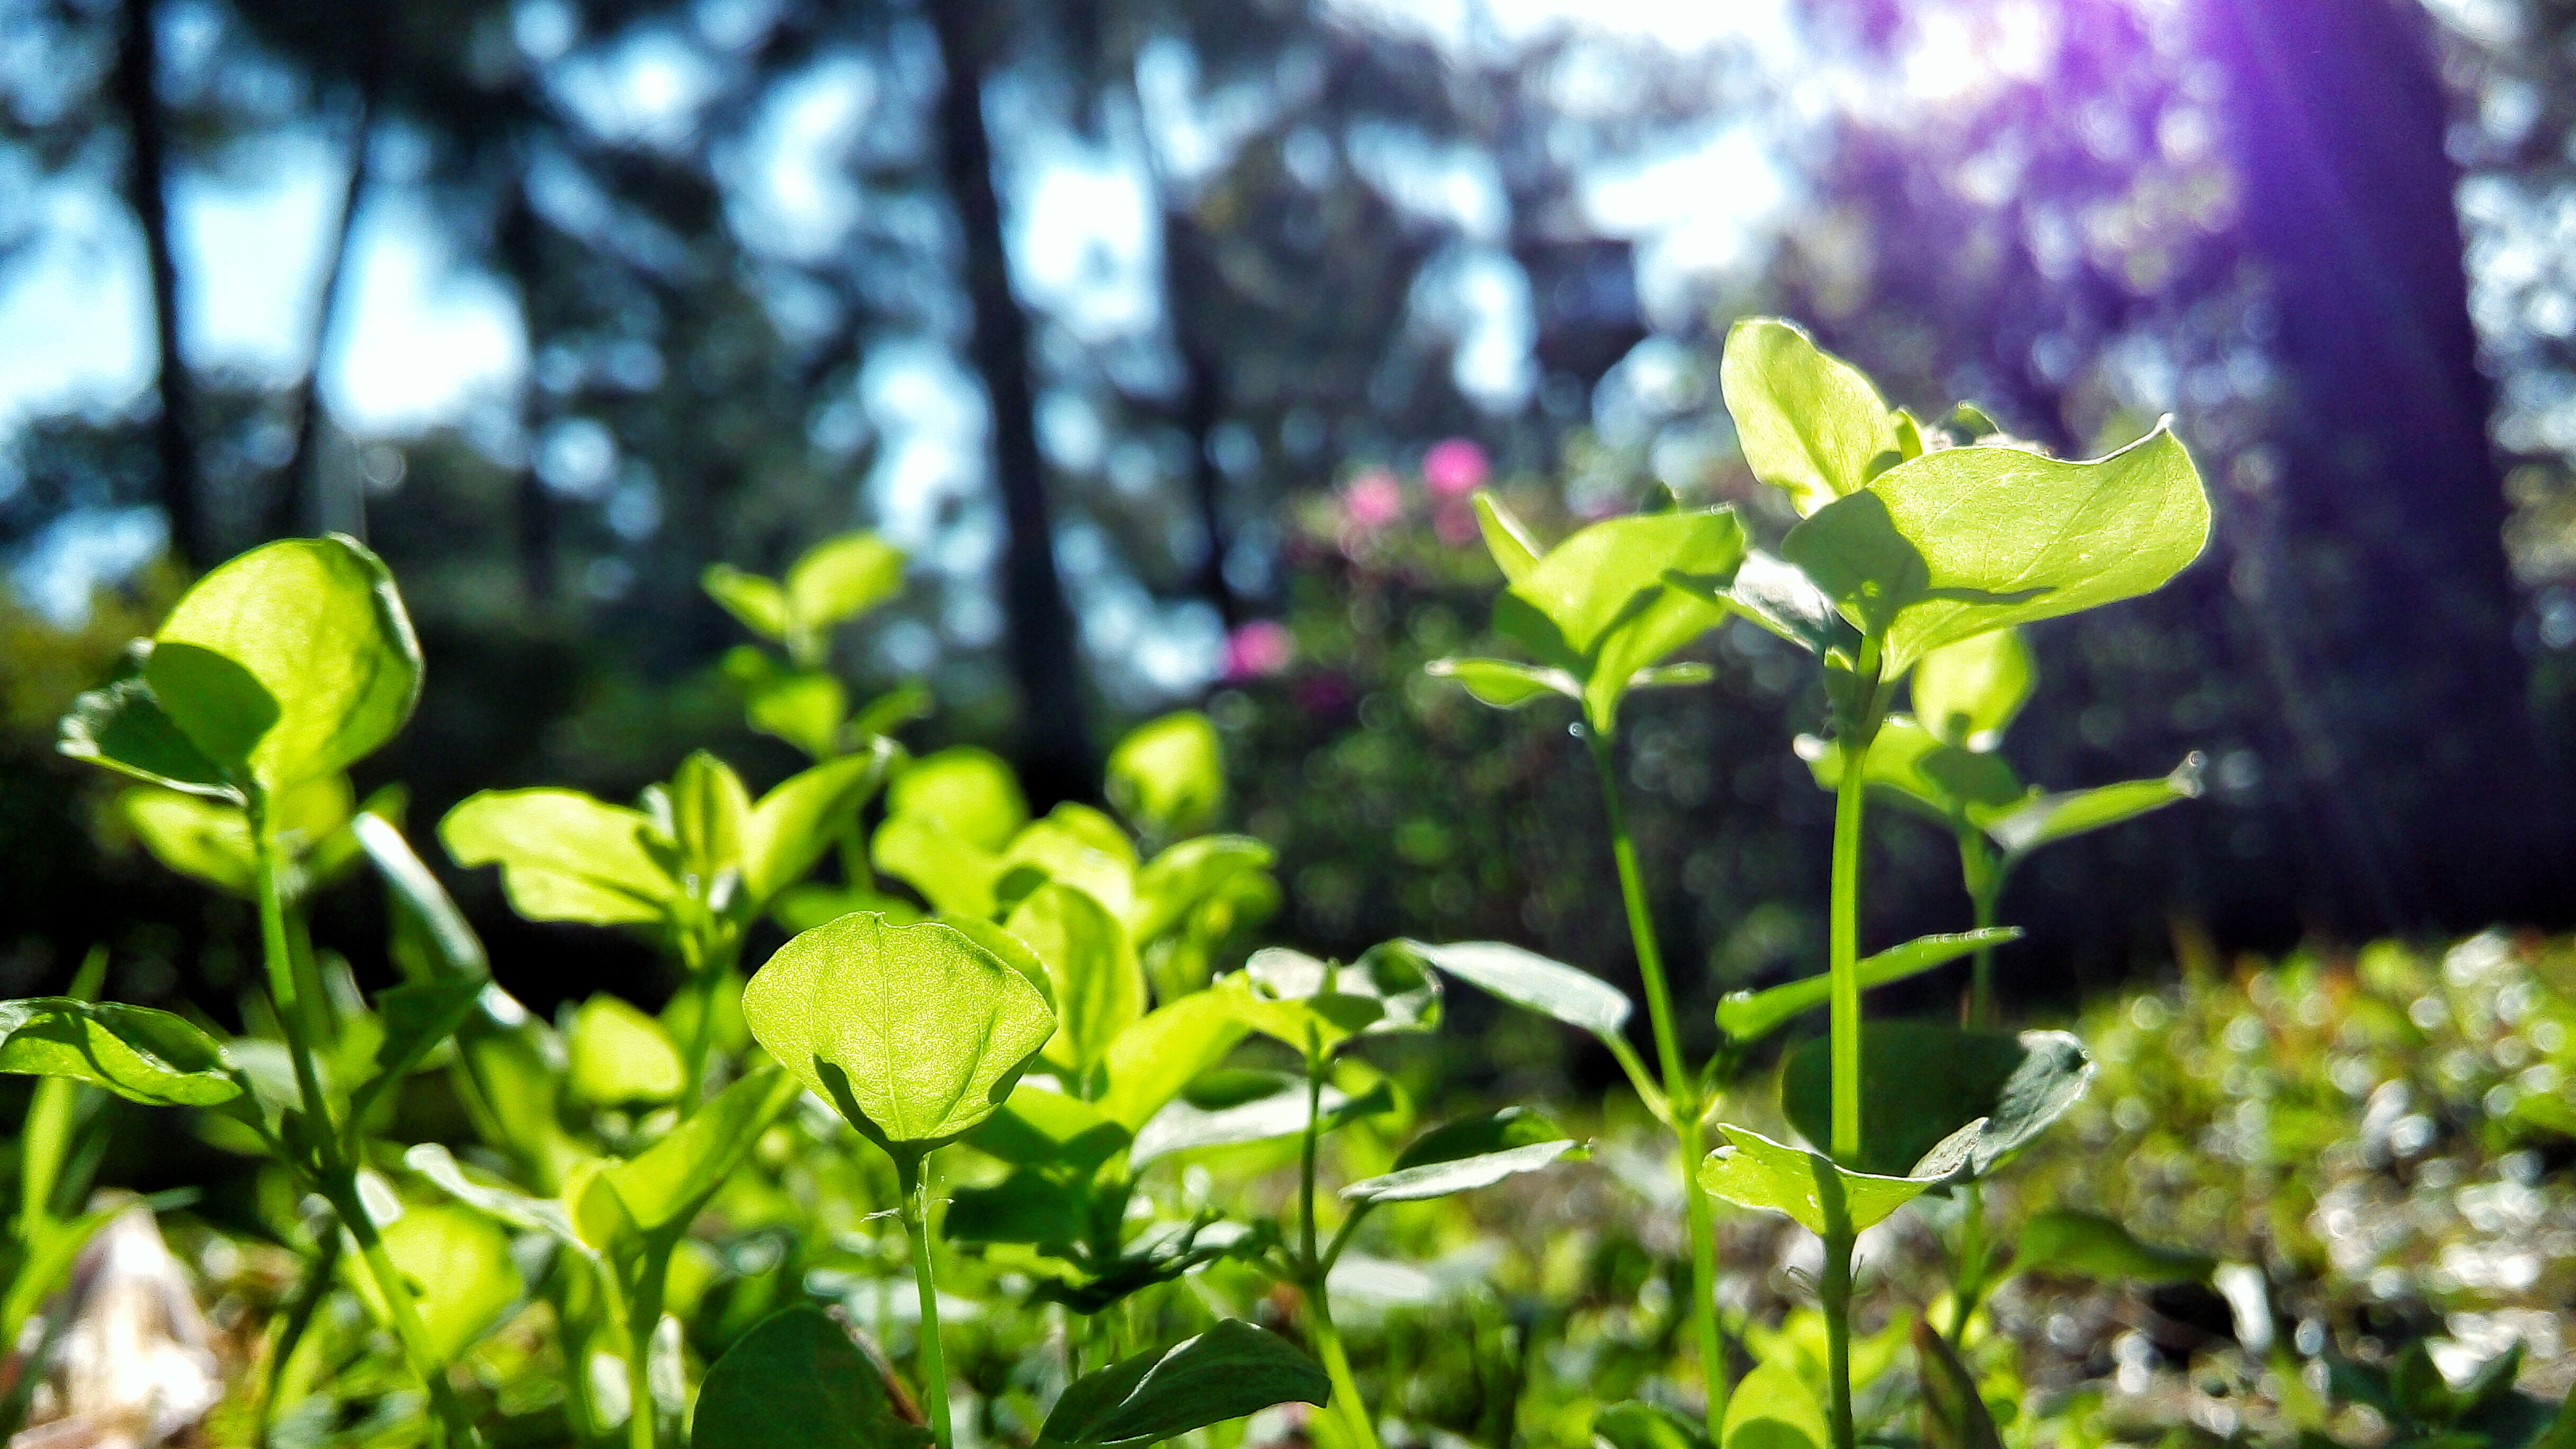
(1455, 523)
(1455, 466)
(1259, 649)
(1372, 499)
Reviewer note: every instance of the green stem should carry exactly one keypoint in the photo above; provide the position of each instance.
(1337, 1370)
(643, 1317)
(1836, 1295)
(1977, 870)
(1315, 1065)
(297, 1010)
(915, 1207)
(1843, 955)
(1681, 1093)
(707, 973)
(1970, 1276)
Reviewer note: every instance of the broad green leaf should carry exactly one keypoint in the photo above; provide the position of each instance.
(970, 791)
(620, 1056)
(1439, 1165)
(1042, 1127)
(1637, 1424)
(1185, 1126)
(1598, 607)
(667, 1185)
(141, 1054)
(1963, 541)
(2088, 1245)
(499, 1202)
(1954, 1416)
(1748, 1016)
(1228, 1372)
(1316, 1005)
(1531, 982)
(121, 726)
(1067, 847)
(957, 876)
(1187, 874)
(915, 1033)
(1168, 774)
(565, 856)
(795, 823)
(710, 818)
(1505, 685)
(1750, 1170)
(804, 707)
(458, 1265)
(796, 1381)
(1154, 1059)
(292, 661)
(842, 578)
(757, 602)
(1811, 424)
(209, 839)
(1515, 553)
(1773, 1409)
(1967, 693)
(2047, 819)
(1922, 1082)
(1099, 988)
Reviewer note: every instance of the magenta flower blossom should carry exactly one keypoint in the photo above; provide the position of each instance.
(1454, 467)
(1259, 649)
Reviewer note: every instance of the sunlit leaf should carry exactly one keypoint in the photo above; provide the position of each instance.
(796, 1381)
(620, 1056)
(1184, 1126)
(1150, 1062)
(957, 876)
(1962, 541)
(1466, 1155)
(1504, 684)
(564, 856)
(292, 661)
(209, 839)
(757, 602)
(667, 1185)
(141, 1054)
(1637, 1424)
(915, 1032)
(1067, 846)
(1597, 605)
(1514, 551)
(804, 707)
(2047, 819)
(967, 790)
(710, 818)
(1313, 1004)
(1099, 987)
(842, 578)
(1772, 1408)
(460, 1271)
(417, 1016)
(1908, 765)
(1810, 423)
(797, 821)
(1041, 1127)
(497, 1201)
(1168, 774)
(1532, 982)
(1228, 1372)
(1749, 1016)
(1188, 873)
(1967, 693)
(1750, 1170)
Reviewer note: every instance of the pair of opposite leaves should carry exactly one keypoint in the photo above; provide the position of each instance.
(1905, 546)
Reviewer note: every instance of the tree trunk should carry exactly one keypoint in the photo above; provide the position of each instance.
(2405, 743)
(299, 506)
(517, 241)
(1056, 758)
(1202, 409)
(138, 95)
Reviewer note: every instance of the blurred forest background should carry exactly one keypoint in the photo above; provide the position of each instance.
(1167, 338)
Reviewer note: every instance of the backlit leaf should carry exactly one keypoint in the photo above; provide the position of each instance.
(1099, 988)
(2047, 819)
(1168, 774)
(663, 1188)
(1967, 693)
(797, 821)
(461, 1274)
(122, 726)
(968, 790)
(1151, 1061)
(565, 856)
(1439, 1165)
(1228, 1372)
(1810, 423)
(1773, 1409)
(1532, 982)
(915, 1033)
(292, 661)
(1750, 1170)
(757, 602)
(1752, 1015)
(2088, 1245)
(620, 1056)
(1922, 1082)
(1504, 684)
(1308, 1003)
(842, 578)
(141, 1054)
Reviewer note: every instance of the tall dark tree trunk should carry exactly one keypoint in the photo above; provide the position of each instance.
(299, 505)
(517, 240)
(1056, 757)
(2406, 735)
(1202, 410)
(138, 95)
